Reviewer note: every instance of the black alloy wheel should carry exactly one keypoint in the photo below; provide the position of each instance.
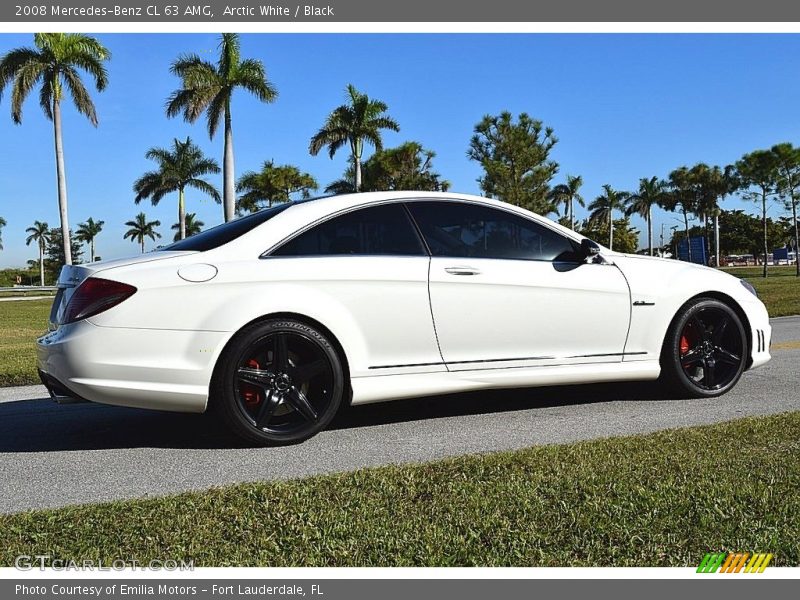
(280, 382)
(706, 349)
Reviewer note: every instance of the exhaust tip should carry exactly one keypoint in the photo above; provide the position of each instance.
(59, 393)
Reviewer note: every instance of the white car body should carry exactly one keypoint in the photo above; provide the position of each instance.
(407, 325)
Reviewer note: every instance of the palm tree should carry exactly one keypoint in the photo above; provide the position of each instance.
(2, 224)
(352, 124)
(192, 226)
(208, 88)
(87, 232)
(180, 167)
(39, 233)
(273, 183)
(567, 194)
(682, 194)
(603, 209)
(55, 63)
(650, 194)
(141, 228)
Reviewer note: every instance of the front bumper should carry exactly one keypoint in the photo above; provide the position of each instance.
(143, 368)
(760, 334)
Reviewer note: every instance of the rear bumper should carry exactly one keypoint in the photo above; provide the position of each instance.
(142, 368)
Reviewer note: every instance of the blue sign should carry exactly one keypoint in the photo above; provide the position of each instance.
(780, 254)
(699, 255)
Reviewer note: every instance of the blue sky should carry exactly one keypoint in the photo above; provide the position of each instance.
(623, 107)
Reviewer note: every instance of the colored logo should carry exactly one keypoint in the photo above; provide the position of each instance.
(734, 562)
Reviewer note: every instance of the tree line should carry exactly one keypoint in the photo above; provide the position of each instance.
(514, 153)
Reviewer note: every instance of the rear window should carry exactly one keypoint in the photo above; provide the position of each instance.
(374, 231)
(222, 234)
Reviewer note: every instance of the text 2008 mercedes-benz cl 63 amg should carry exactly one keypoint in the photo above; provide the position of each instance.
(277, 318)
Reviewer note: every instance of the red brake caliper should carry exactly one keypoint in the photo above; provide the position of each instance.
(684, 344)
(688, 337)
(251, 394)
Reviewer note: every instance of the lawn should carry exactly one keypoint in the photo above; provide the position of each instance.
(780, 291)
(21, 322)
(660, 499)
(22, 294)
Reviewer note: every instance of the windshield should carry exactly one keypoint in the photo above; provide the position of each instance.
(222, 234)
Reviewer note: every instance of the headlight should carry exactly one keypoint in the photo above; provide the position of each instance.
(749, 287)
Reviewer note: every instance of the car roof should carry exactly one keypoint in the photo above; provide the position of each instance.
(301, 214)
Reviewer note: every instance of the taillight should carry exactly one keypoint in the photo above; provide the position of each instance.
(95, 295)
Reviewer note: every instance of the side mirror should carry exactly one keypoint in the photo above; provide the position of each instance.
(589, 248)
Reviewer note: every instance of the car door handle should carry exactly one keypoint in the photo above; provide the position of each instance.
(462, 270)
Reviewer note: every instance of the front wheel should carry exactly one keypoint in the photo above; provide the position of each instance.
(706, 348)
(279, 382)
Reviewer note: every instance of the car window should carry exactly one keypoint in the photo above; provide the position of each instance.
(468, 230)
(222, 234)
(377, 230)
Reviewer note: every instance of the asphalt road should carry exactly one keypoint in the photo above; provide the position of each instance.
(53, 455)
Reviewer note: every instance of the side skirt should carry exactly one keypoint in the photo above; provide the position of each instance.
(396, 387)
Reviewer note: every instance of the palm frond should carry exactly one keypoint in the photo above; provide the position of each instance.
(215, 111)
(229, 53)
(26, 78)
(252, 76)
(80, 95)
(205, 187)
(13, 61)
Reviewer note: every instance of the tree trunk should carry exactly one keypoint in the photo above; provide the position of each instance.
(41, 265)
(142, 240)
(716, 240)
(764, 223)
(182, 215)
(796, 240)
(610, 229)
(228, 193)
(649, 230)
(688, 241)
(571, 215)
(62, 183)
(91, 249)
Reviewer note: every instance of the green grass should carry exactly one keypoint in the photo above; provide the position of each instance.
(780, 291)
(659, 499)
(22, 294)
(20, 324)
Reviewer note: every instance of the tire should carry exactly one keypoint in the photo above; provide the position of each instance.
(278, 382)
(706, 349)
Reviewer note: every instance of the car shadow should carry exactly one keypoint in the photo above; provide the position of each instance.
(43, 426)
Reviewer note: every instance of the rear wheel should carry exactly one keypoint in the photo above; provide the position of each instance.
(705, 351)
(279, 382)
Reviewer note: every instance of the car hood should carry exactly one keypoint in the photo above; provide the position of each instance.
(618, 257)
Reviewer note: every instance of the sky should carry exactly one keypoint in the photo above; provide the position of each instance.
(623, 106)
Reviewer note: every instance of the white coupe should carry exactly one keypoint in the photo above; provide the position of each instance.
(278, 318)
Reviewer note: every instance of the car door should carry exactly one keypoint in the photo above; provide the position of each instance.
(367, 269)
(507, 291)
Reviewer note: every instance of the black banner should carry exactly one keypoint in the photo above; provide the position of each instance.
(470, 11)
